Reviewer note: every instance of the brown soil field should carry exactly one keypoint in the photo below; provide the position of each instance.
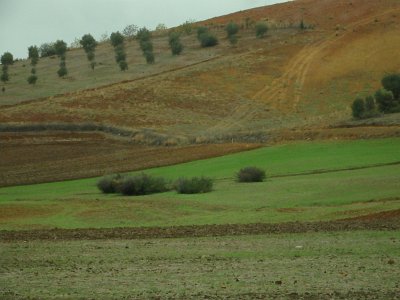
(389, 220)
(35, 158)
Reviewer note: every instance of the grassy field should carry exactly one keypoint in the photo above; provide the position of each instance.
(306, 182)
(345, 265)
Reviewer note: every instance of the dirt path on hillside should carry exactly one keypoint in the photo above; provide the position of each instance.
(389, 220)
(275, 95)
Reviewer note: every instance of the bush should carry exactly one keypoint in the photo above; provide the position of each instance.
(62, 71)
(200, 31)
(143, 34)
(208, 40)
(358, 108)
(32, 79)
(385, 100)
(47, 49)
(195, 185)
(250, 174)
(392, 83)
(261, 29)
(175, 43)
(116, 39)
(149, 55)
(110, 184)
(142, 185)
(231, 29)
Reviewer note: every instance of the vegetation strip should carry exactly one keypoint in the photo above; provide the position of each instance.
(315, 172)
(389, 220)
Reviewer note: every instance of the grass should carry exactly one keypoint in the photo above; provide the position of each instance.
(319, 196)
(350, 264)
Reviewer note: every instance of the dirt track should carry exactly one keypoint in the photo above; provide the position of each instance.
(389, 220)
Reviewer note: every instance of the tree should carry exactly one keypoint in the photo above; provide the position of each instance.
(130, 31)
(161, 28)
(385, 100)
(231, 29)
(60, 47)
(149, 57)
(33, 54)
(62, 71)
(187, 27)
(175, 43)
(200, 31)
(6, 59)
(46, 50)
(391, 83)
(89, 46)
(32, 79)
(117, 40)
(4, 76)
(358, 108)
(261, 29)
(370, 104)
(143, 34)
(302, 25)
(144, 37)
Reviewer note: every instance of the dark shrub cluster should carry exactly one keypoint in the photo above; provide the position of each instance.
(385, 100)
(110, 184)
(195, 185)
(250, 174)
(206, 38)
(142, 184)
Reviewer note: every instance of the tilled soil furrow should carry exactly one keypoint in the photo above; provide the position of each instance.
(389, 220)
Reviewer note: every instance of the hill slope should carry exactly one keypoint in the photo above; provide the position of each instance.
(290, 79)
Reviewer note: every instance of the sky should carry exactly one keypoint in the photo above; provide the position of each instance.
(33, 22)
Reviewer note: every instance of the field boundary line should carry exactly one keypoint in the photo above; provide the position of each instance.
(324, 171)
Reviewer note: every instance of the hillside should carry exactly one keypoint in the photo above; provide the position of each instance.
(289, 79)
(291, 85)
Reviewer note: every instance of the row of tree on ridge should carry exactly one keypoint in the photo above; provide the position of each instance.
(144, 36)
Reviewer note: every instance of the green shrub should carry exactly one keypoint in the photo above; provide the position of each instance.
(208, 40)
(231, 29)
(142, 185)
(358, 108)
(261, 29)
(385, 100)
(32, 79)
(149, 55)
(200, 31)
(250, 174)
(110, 184)
(195, 185)
(391, 83)
(175, 43)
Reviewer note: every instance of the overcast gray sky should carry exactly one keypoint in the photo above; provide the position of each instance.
(32, 22)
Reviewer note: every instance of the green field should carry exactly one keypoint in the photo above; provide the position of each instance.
(307, 181)
(345, 265)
